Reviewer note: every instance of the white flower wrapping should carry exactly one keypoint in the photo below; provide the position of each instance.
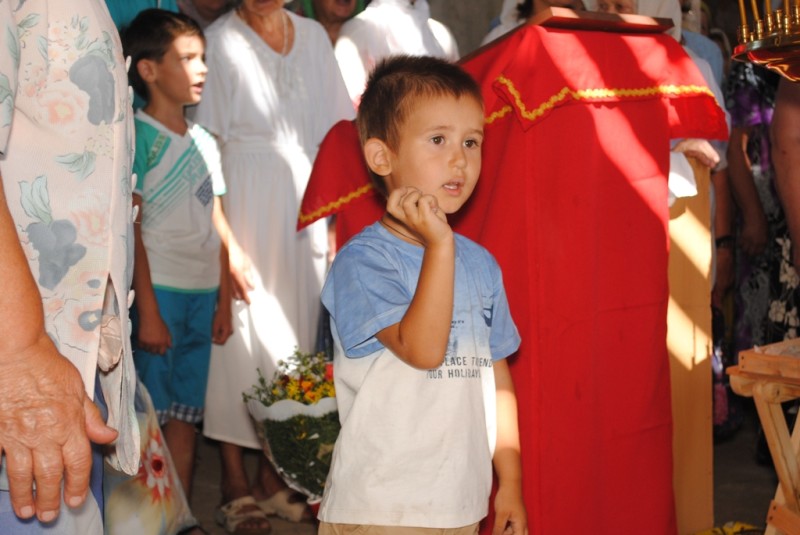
(298, 440)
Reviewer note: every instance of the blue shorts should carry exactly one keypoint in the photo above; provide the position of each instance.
(177, 379)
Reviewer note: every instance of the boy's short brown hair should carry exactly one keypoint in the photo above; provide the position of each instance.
(149, 36)
(395, 85)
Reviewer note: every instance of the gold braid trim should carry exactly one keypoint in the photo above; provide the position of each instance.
(591, 94)
(499, 114)
(316, 214)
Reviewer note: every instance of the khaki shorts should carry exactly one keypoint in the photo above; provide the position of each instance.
(355, 529)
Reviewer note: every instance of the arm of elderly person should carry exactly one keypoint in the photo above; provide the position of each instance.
(785, 132)
(46, 418)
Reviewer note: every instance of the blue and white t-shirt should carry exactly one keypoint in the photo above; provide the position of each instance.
(416, 445)
(178, 177)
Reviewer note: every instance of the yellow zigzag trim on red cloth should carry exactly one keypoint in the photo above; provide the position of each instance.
(499, 114)
(590, 94)
(316, 214)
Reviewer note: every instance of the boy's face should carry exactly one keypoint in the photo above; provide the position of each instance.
(439, 150)
(618, 7)
(181, 73)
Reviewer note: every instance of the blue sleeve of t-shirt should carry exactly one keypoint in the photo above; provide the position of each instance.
(504, 338)
(365, 292)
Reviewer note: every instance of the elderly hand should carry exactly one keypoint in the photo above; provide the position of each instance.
(699, 149)
(46, 423)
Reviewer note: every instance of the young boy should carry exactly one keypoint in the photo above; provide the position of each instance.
(179, 264)
(421, 326)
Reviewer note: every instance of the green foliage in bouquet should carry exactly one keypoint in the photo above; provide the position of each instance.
(305, 455)
(299, 441)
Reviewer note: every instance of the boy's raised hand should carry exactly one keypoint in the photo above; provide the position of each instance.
(420, 214)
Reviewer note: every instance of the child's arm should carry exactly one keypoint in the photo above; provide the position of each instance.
(153, 335)
(420, 338)
(223, 322)
(238, 261)
(509, 509)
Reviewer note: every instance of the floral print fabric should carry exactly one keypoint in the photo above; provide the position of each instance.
(65, 140)
(767, 285)
(152, 502)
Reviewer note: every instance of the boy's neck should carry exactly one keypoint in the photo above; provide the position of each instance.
(170, 115)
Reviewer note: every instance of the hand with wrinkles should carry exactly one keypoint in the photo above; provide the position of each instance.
(46, 418)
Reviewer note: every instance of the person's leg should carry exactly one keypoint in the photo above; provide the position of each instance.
(267, 482)
(234, 476)
(181, 438)
(235, 485)
(188, 377)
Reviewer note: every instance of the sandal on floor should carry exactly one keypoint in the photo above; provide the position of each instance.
(236, 512)
(288, 505)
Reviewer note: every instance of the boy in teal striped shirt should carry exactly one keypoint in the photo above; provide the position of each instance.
(181, 275)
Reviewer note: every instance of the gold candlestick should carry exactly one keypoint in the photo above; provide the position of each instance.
(775, 39)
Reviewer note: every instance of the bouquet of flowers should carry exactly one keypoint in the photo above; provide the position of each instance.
(297, 420)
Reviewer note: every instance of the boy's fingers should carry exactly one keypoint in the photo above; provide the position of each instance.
(429, 202)
(410, 202)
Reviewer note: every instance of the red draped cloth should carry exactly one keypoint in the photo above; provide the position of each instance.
(339, 185)
(572, 201)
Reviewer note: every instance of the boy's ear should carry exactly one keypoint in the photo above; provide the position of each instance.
(377, 154)
(146, 69)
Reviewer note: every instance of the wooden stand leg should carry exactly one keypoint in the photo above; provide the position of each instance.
(784, 513)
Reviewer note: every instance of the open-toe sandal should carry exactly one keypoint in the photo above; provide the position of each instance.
(288, 505)
(242, 510)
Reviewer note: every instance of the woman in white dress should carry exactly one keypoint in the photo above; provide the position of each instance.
(386, 28)
(273, 91)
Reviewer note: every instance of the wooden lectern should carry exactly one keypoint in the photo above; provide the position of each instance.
(771, 376)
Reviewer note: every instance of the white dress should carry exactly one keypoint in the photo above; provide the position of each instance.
(269, 112)
(386, 28)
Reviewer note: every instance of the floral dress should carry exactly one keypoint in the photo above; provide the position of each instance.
(65, 161)
(767, 285)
